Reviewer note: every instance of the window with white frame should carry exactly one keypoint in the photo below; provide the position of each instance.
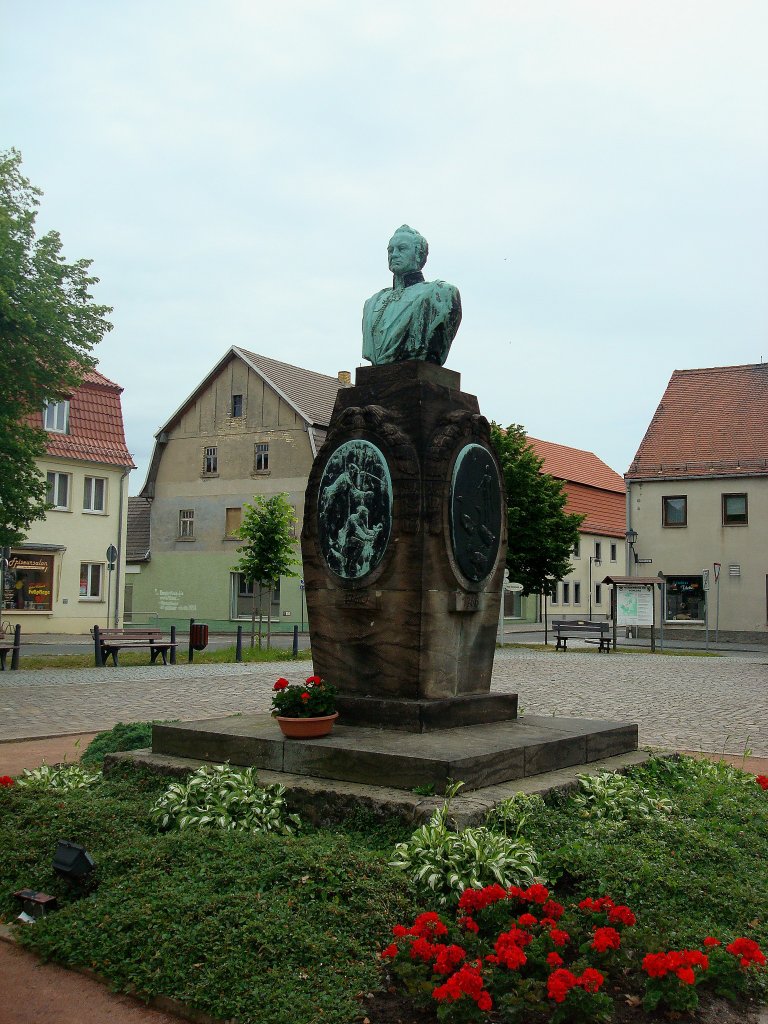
(577, 593)
(577, 548)
(56, 417)
(553, 594)
(598, 593)
(58, 491)
(260, 458)
(211, 460)
(186, 522)
(598, 551)
(91, 576)
(614, 551)
(566, 593)
(94, 494)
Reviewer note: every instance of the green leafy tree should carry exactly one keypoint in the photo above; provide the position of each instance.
(542, 534)
(268, 551)
(48, 326)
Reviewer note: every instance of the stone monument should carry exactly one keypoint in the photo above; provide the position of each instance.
(404, 544)
(404, 538)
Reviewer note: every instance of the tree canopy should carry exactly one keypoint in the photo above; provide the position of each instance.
(49, 324)
(268, 552)
(542, 535)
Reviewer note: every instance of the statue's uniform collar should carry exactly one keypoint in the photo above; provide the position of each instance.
(414, 277)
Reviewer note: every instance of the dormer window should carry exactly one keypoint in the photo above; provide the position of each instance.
(56, 417)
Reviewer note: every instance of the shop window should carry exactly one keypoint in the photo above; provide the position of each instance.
(735, 510)
(56, 417)
(29, 582)
(234, 517)
(686, 598)
(91, 574)
(94, 493)
(577, 593)
(614, 552)
(674, 510)
(598, 593)
(237, 405)
(211, 460)
(566, 593)
(187, 522)
(260, 458)
(58, 491)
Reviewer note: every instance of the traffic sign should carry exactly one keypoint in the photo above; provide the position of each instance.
(111, 556)
(717, 571)
(705, 579)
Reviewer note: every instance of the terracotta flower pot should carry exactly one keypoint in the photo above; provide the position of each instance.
(306, 728)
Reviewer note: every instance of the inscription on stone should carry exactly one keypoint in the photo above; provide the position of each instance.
(466, 602)
(354, 509)
(475, 510)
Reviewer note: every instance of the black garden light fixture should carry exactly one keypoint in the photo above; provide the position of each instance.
(72, 862)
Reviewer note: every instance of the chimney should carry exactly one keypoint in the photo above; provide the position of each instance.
(345, 378)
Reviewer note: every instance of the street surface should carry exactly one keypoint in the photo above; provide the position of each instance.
(680, 703)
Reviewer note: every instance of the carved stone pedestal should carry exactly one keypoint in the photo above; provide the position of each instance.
(404, 544)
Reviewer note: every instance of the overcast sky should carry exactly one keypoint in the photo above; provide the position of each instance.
(591, 175)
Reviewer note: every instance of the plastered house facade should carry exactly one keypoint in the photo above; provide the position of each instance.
(252, 426)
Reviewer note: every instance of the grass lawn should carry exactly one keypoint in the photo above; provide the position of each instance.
(226, 655)
(282, 929)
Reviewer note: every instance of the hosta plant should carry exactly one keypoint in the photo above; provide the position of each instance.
(613, 797)
(218, 796)
(60, 777)
(447, 862)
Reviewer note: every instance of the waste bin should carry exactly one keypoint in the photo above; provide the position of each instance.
(198, 636)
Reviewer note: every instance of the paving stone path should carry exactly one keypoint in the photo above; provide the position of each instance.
(680, 703)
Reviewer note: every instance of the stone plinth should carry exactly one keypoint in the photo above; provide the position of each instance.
(478, 755)
(404, 545)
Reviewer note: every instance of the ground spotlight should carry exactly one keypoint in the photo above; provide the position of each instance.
(34, 904)
(72, 862)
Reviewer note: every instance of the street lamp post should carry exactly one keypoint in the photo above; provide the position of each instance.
(595, 561)
(631, 538)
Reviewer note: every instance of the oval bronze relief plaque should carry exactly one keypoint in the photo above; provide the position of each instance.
(354, 509)
(475, 511)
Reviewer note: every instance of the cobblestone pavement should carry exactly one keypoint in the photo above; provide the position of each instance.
(680, 703)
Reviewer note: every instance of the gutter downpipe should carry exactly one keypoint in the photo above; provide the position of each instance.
(123, 477)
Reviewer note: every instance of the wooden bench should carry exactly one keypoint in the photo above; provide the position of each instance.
(109, 642)
(10, 641)
(593, 632)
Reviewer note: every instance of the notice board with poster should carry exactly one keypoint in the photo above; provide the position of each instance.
(634, 605)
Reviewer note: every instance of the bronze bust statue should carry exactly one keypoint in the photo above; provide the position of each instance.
(414, 319)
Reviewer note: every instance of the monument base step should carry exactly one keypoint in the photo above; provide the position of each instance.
(327, 802)
(408, 715)
(478, 755)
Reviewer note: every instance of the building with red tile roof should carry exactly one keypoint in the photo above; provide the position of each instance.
(60, 580)
(598, 493)
(698, 498)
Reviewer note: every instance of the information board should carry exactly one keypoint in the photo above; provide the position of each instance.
(634, 605)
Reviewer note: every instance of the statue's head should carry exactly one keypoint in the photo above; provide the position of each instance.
(407, 251)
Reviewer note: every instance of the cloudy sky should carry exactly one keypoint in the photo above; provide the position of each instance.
(592, 174)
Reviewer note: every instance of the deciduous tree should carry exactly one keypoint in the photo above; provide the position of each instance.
(49, 324)
(542, 534)
(268, 552)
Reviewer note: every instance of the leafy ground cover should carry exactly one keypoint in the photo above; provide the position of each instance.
(290, 927)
